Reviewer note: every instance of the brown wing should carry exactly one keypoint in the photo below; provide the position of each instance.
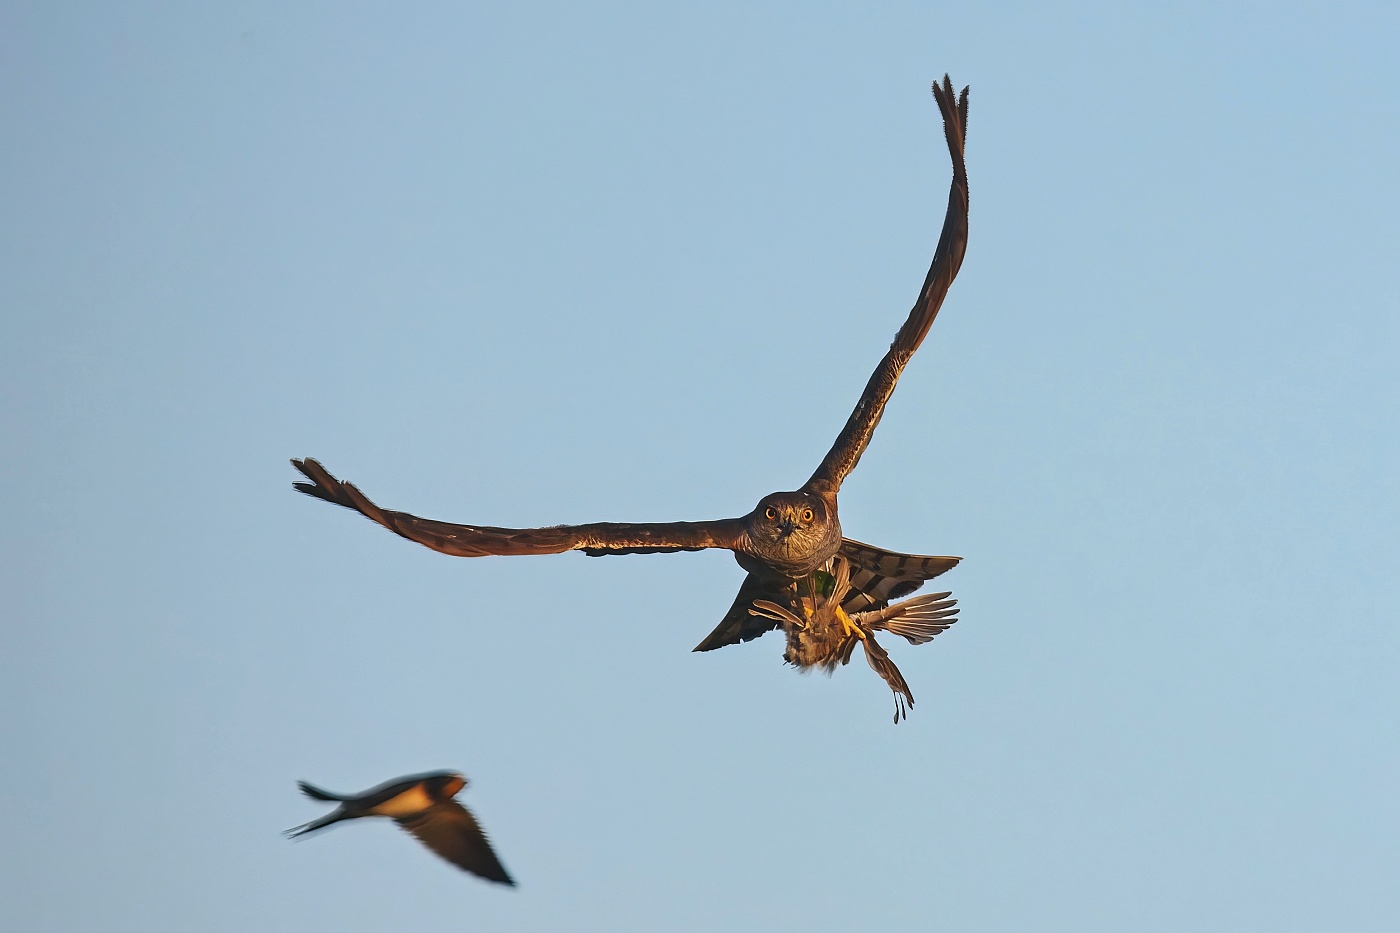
(738, 623)
(453, 833)
(879, 576)
(881, 664)
(916, 620)
(595, 540)
(947, 259)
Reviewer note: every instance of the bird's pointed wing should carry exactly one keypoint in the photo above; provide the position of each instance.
(594, 540)
(738, 623)
(947, 259)
(916, 620)
(879, 576)
(453, 833)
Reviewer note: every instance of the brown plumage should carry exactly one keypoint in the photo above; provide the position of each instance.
(788, 535)
(822, 629)
(877, 576)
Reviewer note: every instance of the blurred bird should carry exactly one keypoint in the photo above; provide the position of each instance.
(788, 535)
(423, 804)
(822, 630)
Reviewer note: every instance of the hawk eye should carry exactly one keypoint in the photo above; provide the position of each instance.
(770, 513)
(806, 515)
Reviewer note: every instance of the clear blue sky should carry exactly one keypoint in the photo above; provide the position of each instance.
(554, 263)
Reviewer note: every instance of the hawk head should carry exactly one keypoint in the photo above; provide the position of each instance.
(790, 530)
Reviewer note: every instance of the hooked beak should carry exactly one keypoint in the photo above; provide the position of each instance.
(786, 527)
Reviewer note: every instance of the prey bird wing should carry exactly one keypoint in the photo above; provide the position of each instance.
(450, 830)
(594, 540)
(916, 620)
(877, 577)
(947, 259)
(821, 634)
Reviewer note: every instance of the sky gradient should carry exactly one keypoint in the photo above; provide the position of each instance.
(540, 264)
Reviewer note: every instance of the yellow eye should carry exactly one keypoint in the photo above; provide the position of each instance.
(806, 515)
(770, 513)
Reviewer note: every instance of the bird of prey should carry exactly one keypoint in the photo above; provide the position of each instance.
(788, 535)
(822, 630)
(423, 804)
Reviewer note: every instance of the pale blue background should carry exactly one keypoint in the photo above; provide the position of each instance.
(551, 263)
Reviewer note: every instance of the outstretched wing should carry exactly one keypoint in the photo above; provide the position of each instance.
(453, 833)
(879, 576)
(595, 540)
(917, 620)
(947, 259)
(738, 623)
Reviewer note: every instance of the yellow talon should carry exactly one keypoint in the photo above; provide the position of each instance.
(849, 624)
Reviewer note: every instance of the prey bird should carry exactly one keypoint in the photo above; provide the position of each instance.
(822, 630)
(788, 535)
(423, 804)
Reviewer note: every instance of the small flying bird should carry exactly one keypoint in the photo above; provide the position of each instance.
(822, 629)
(788, 535)
(423, 804)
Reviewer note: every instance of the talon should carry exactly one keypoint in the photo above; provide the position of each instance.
(849, 625)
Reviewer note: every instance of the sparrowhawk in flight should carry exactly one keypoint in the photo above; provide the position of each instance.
(788, 536)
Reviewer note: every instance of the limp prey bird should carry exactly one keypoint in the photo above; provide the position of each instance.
(821, 632)
(423, 804)
(788, 535)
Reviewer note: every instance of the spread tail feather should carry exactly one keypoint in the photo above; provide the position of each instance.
(319, 823)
